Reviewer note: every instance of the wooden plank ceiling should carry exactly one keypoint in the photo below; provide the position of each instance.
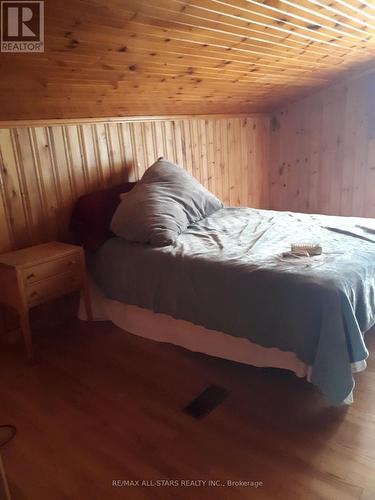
(162, 57)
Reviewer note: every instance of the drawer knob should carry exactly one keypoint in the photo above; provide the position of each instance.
(71, 262)
(32, 275)
(33, 294)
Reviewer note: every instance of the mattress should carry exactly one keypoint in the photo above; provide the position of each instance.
(228, 273)
(163, 328)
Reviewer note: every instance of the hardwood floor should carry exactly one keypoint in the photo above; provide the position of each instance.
(102, 405)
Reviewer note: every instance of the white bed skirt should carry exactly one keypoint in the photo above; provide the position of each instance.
(164, 328)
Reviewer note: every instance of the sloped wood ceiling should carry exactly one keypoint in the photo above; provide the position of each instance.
(159, 57)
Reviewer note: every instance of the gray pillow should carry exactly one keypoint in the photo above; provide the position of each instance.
(162, 205)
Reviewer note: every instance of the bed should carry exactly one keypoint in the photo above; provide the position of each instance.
(227, 288)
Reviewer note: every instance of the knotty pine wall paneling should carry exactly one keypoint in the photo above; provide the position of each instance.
(323, 152)
(44, 168)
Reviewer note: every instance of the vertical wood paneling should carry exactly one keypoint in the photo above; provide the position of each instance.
(210, 155)
(44, 169)
(31, 186)
(322, 152)
(12, 190)
(218, 160)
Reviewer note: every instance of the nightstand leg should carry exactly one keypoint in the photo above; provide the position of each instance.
(4, 478)
(26, 332)
(87, 301)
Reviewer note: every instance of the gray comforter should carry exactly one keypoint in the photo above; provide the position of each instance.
(228, 273)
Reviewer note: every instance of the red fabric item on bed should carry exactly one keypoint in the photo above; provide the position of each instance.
(92, 214)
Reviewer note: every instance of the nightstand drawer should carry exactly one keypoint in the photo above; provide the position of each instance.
(50, 288)
(70, 263)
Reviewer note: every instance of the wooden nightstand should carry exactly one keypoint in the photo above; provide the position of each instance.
(34, 275)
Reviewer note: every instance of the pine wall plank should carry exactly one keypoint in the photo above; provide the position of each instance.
(323, 152)
(45, 168)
